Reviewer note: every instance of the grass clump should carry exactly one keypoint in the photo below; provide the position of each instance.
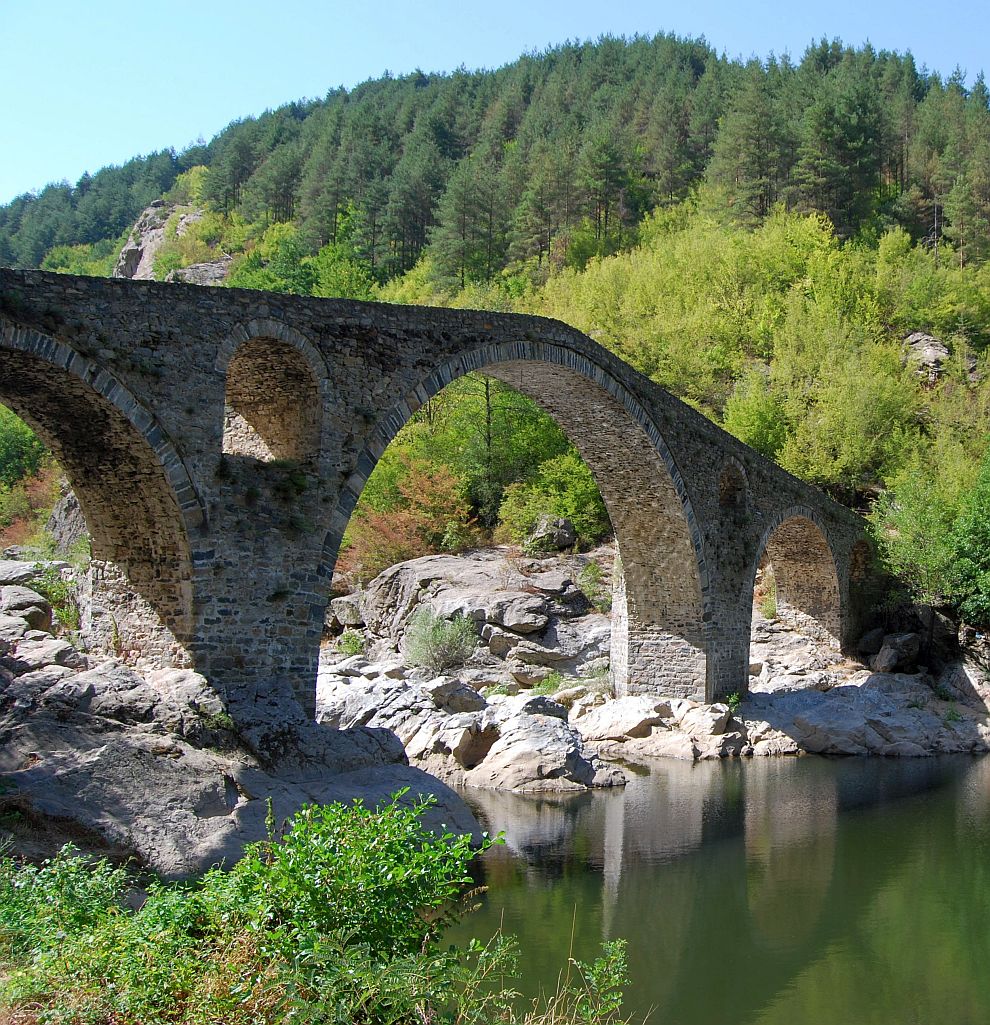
(437, 643)
(338, 920)
(350, 642)
(61, 595)
(591, 582)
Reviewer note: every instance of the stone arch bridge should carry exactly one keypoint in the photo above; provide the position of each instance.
(218, 440)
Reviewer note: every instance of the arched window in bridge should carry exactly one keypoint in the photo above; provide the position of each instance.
(272, 409)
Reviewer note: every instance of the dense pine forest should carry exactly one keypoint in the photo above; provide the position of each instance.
(760, 238)
(558, 156)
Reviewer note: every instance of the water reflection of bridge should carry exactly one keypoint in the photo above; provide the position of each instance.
(778, 877)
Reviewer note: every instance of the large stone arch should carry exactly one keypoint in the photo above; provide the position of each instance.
(275, 393)
(660, 639)
(137, 496)
(809, 596)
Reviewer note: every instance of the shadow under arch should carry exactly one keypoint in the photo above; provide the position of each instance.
(137, 497)
(660, 630)
(805, 571)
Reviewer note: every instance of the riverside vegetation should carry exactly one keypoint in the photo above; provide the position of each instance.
(337, 919)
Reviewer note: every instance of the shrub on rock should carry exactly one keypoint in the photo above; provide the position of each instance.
(437, 643)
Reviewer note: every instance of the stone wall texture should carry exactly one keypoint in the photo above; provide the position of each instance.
(218, 440)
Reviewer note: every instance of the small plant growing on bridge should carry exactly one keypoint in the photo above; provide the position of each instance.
(596, 591)
(437, 643)
(734, 700)
(768, 601)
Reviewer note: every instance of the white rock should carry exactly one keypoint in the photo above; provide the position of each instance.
(705, 720)
(633, 716)
(17, 572)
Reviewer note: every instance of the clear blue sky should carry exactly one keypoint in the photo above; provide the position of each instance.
(85, 83)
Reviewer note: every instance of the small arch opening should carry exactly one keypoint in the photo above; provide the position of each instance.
(732, 488)
(807, 585)
(272, 408)
(797, 613)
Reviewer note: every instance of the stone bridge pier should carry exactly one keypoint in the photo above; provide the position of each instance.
(218, 440)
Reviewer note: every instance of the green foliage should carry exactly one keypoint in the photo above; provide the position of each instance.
(768, 601)
(189, 186)
(339, 919)
(438, 643)
(550, 684)
(61, 595)
(560, 487)
(21, 453)
(970, 543)
(337, 274)
(590, 580)
(350, 642)
(755, 415)
(734, 700)
(42, 907)
(96, 259)
(379, 877)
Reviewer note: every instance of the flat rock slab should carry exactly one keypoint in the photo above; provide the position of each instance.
(17, 572)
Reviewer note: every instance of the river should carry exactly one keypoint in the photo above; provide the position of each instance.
(765, 891)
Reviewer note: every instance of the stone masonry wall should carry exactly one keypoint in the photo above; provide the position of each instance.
(232, 550)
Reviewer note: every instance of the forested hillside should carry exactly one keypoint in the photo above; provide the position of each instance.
(759, 238)
(559, 155)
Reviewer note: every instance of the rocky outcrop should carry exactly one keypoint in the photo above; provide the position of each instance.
(145, 241)
(521, 742)
(156, 765)
(137, 258)
(930, 357)
(66, 525)
(531, 617)
(212, 273)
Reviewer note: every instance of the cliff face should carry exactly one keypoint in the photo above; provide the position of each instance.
(148, 236)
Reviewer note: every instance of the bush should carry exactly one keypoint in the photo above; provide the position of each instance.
(350, 642)
(438, 643)
(562, 487)
(61, 595)
(336, 921)
(595, 590)
(21, 453)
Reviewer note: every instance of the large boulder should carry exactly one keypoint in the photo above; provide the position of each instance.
(15, 572)
(160, 769)
(520, 742)
(898, 653)
(627, 717)
(66, 525)
(551, 534)
(27, 605)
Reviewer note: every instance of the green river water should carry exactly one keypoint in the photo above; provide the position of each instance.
(766, 891)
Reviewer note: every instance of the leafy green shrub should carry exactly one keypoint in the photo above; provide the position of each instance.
(350, 642)
(64, 896)
(61, 595)
(380, 877)
(551, 683)
(561, 487)
(21, 452)
(438, 643)
(336, 921)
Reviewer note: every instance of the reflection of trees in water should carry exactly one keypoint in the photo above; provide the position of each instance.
(790, 853)
(766, 892)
